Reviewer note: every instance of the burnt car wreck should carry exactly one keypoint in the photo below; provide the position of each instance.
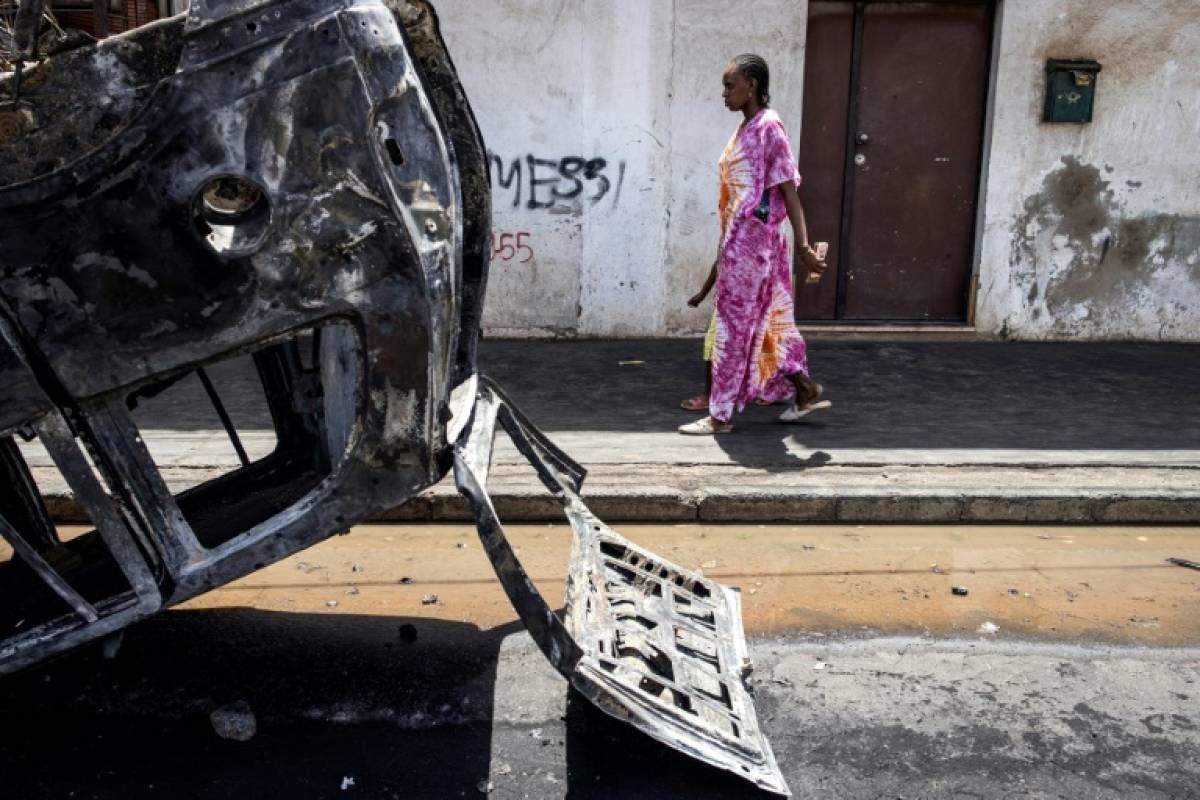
(303, 182)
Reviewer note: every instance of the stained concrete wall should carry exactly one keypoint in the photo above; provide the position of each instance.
(1093, 231)
(605, 122)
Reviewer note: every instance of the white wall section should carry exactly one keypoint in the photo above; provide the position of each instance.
(1093, 231)
(605, 123)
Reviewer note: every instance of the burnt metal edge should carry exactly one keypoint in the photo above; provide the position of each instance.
(563, 478)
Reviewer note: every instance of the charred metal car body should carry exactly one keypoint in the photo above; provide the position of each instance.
(302, 181)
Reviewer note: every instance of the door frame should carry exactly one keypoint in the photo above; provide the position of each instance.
(985, 158)
(985, 147)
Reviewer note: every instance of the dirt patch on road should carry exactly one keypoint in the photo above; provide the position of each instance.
(1054, 583)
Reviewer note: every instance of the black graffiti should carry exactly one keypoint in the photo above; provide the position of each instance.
(545, 183)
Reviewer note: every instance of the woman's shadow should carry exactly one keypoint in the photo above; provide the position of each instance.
(760, 441)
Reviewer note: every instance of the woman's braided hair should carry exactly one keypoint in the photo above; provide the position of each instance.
(755, 67)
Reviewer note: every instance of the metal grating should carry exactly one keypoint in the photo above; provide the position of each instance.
(666, 645)
(647, 641)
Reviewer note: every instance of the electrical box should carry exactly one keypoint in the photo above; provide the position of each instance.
(1070, 89)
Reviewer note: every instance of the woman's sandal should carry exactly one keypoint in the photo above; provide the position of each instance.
(796, 413)
(697, 403)
(706, 426)
(813, 402)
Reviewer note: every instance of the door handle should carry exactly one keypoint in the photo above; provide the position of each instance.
(862, 138)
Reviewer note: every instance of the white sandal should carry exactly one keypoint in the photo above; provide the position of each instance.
(706, 426)
(796, 413)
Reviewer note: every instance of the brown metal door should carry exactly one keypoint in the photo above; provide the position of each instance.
(915, 82)
(823, 145)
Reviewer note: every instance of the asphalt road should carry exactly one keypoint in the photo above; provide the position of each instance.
(347, 704)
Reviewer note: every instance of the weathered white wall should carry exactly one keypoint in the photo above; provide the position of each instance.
(707, 34)
(1090, 231)
(1093, 231)
(636, 84)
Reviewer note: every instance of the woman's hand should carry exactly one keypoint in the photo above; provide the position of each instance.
(698, 298)
(812, 263)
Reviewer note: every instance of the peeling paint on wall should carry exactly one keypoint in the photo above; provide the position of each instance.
(1086, 268)
(1093, 231)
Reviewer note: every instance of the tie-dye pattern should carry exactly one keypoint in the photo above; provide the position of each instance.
(757, 345)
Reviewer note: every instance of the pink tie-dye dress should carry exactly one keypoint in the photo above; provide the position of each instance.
(757, 345)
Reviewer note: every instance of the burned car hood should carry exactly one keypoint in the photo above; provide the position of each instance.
(301, 183)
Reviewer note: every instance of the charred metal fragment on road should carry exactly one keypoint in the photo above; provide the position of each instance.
(301, 182)
(648, 642)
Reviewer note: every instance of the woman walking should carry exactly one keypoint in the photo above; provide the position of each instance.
(756, 352)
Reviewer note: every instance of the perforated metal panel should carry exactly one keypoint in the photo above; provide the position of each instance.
(663, 648)
(649, 642)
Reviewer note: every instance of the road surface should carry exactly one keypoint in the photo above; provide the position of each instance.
(1070, 669)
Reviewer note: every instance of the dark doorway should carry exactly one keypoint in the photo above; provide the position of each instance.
(894, 102)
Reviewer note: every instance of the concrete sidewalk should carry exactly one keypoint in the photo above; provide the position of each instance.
(933, 431)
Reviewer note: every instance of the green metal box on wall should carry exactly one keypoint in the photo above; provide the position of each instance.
(1070, 90)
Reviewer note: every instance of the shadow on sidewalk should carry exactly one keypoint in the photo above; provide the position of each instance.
(760, 441)
(970, 395)
(931, 395)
